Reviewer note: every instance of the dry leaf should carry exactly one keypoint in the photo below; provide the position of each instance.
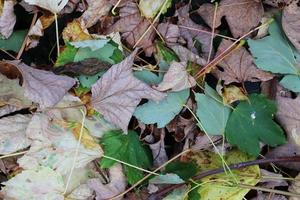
(241, 16)
(232, 93)
(159, 153)
(75, 32)
(238, 66)
(271, 182)
(169, 32)
(7, 19)
(12, 133)
(191, 32)
(268, 196)
(43, 87)
(116, 185)
(96, 10)
(187, 56)
(176, 78)
(278, 3)
(133, 27)
(295, 187)
(52, 5)
(291, 23)
(117, 93)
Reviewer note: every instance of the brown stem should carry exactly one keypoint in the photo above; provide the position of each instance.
(162, 192)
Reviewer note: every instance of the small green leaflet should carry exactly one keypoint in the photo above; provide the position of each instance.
(252, 122)
(126, 148)
(274, 54)
(211, 112)
(14, 42)
(164, 111)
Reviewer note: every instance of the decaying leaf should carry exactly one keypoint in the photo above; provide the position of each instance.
(232, 93)
(75, 32)
(117, 93)
(159, 153)
(294, 187)
(52, 5)
(150, 8)
(169, 32)
(176, 78)
(186, 55)
(43, 87)
(96, 10)
(291, 23)
(7, 19)
(239, 67)
(133, 28)
(241, 16)
(12, 133)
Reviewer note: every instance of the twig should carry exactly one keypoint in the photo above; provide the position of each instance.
(157, 195)
(212, 33)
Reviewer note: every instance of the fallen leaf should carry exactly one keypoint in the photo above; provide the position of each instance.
(150, 8)
(117, 93)
(176, 78)
(186, 55)
(169, 32)
(82, 192)
(294, 187)
(52, 5)
(232, 93)
(43, 87)
(133, 27)
(7, 19)
(192, 33)
(14, 42)
(291, 23)
(177, 194)
(168, 178)
(75, 32)
(12, 133)
(264, 196)
(116, 185)
(238, 67)
(185, 170)
(268, 179)
(39, 183)
(159, 153)
(96, 10)
(278, 3)
(241, 16)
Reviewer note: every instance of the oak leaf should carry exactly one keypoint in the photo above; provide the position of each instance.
(239, 67)
(118, 92)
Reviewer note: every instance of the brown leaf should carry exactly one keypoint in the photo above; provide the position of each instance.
(241, 15)
(278, 3)
(176, 78)
(295, 187)
(291, 23)
(170, 33)
(117, 93)
(43, 87)
(158, 150)
(191, 31)
(7, 19)
(187, 56)
(96, 10)
(239, 67)
(133, 27)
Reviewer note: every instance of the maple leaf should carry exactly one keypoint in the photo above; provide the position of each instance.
(291, 23)
(239, 67)
(241, 16)
(43, 87)
(7, 19)
(133, 27)
(117, 93)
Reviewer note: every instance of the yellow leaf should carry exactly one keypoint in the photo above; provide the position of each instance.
(232, 93)
(74, 32)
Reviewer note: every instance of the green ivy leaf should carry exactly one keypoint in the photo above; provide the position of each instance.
(252, 122)
(128, 149)
(14, 42)
(164, 111)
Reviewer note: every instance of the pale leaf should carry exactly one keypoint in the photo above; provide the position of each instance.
(52, 5)
(43, 87)
(176, 78)
(170, 33)
(118, 92)
(7, 19)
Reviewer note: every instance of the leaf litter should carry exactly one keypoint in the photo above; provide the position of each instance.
(120, 111)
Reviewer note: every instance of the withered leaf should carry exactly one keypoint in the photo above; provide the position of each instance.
(238, 66)
(7, 19)
(133, 27)
(241, 16)
(117, 93)
(186, 55)
(170, 33)
(43, 87)
(176, 78)
(291, 23)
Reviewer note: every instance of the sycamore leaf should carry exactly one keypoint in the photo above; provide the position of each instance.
(291, 23)
(117, 93)
(251, 122)
(43, 87)
(7, 19)
(241, 16)
(149, 8)
(128, 149)
(117, 183)
(239, 67)
(176, 78)
(35, 184)
(96, 10)
(164, 111)
(12, 133)
(52, 5)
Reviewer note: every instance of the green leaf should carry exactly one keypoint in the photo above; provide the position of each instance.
(150, 8)
(14, 42)
(252, 122)
(126, 148)
(166, 179)
(92, 44)
(148, 77)
(211, 112)
(164, 111)
(291, 82)
(274, 53)
(182, 169)
(66, 56)
(165, 53)
(88, 81)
